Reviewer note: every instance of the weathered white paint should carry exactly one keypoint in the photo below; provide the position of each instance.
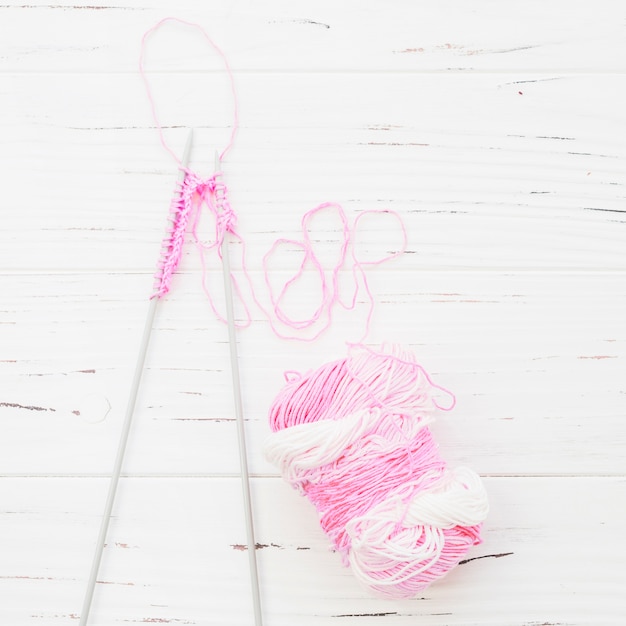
(175, 554)
(497, 131)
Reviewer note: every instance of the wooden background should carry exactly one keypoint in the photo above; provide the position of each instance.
(497, 130)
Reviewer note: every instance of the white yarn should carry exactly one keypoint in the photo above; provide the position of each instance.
(457, 499)
(311, 445)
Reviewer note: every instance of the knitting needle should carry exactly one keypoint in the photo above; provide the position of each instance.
(121, 448)
(241, 433)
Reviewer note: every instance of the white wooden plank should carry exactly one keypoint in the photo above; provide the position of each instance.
(540, 387)
(325, 35)
(495, 130)
(174, 556)
(495, 179)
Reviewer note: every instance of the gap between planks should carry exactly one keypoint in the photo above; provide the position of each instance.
(262, 476)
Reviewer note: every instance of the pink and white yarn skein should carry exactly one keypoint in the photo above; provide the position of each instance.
(353, 437)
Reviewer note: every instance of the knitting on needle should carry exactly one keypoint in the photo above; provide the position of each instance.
(130, 409)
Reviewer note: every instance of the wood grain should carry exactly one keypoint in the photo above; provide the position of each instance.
(322, 36)
(538, 386)
(483, 176)
(496, 131)
(163, 565)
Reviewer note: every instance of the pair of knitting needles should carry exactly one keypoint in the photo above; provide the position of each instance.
(130, 410)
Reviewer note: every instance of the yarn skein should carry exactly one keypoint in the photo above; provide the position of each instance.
(353, 437)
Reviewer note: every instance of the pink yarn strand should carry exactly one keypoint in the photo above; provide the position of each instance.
(330, 293)
(215, 198)
(181, 211)
(218, 50)
(384, 354)
(195, 192)
(212, 194)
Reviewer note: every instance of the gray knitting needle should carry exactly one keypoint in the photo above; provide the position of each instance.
(121, 448)
(241, 432)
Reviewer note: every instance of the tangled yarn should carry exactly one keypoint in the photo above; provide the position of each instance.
(353, 437)
(196, 198)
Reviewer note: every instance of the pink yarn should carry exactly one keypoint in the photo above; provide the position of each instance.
(220, 53)
(352, 437)
(194, 193)
(172, 247)
(328, 276)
